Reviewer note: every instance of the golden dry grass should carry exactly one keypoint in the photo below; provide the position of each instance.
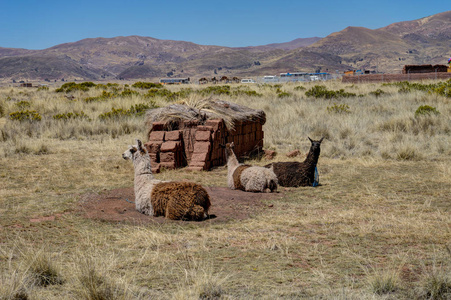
(379, 226)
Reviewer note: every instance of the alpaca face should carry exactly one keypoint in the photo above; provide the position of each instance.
(134, 151)
(129, 153)
(229, 149)
(316, 145)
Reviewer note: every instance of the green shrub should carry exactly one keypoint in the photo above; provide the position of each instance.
(147, 85)
(128, 93)
(377, 93)
(27, 115)
(70, 115)
(246, 93)
(319, 91)
(339, 109)
(43, 88)
(23, 104)
(102, 97)
(72, 86)
(2, 110)
(162, 92)
(215, 90)
(283, 95)
(426, 110)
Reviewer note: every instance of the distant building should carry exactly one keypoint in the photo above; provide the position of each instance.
(410, 69)
(174, 80)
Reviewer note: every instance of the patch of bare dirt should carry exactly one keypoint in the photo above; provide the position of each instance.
(117, 206)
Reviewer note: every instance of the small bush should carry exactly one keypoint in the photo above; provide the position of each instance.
(377, 93)
(134, 110)
(339, 109)
(319, 91)
(384, 283)
(102, 97)
(70, 115)
(43, 88)
(128, 93)
(23, 104)
(147, 85)
(215, 90)
(155, 92)
(27, 115)
(246, 93)
(72, 86)
(283, 95)
(426, 110)
(300, 88)
(43, 271)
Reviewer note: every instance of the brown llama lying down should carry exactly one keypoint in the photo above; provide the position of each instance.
(248, 178)
(180, 201)
(295, 174)
(174, 200)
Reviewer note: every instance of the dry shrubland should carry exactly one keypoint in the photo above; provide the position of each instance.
(379, 226)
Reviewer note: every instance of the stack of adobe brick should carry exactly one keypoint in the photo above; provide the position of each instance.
(165, 148)
(198, 146)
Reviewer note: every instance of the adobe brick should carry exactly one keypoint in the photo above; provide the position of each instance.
(153, 147)
(195, 163)
(170, 146)
(156, 136)
(217, 124)
(203, 136)
(201, 147)
(200, 156)
(204, 128)
(167, 157)
(173, 135)
(168, 165)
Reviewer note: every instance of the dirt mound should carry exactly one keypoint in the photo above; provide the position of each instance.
(117, 206)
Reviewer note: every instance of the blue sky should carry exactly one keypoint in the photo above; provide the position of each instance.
(42, 24)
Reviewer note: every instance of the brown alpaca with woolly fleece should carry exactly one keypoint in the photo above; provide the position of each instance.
(295, 174)
(180, 201)
(174, 200)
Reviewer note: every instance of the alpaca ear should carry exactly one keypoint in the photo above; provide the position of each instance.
(140, 145)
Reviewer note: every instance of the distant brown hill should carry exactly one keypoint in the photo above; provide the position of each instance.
(387, 49)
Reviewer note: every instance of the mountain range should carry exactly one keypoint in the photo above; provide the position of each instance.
(388, 49)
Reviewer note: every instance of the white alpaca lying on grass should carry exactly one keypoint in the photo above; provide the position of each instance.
(248, 178)
(174, 200)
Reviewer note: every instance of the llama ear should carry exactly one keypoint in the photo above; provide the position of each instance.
(310, 139)
(222, 145)
(321, 139)
(140, 145)
(232, 145)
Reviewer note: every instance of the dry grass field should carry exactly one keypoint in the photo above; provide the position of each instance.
(378, 226)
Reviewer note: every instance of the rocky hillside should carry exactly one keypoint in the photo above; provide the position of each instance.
(387, 49)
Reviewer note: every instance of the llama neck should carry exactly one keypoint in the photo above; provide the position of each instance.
(143, 185)
(312, 158)
(232, 161)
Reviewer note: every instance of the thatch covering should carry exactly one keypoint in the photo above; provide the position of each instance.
(203, 110)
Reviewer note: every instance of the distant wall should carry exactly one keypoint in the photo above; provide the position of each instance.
(395, 77)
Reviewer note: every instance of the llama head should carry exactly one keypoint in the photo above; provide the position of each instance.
(316, 145)
(134, 151)
(141, 159)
